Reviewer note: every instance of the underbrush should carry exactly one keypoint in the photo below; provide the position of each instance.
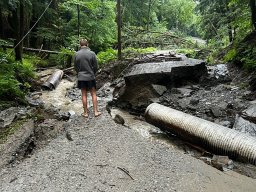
(243, 53)
(109, 55)
(15, 78)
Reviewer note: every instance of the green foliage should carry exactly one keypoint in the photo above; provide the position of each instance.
(65, 55)
(179, 14)
(15, 78)
(224, 21)
(230, 55)
(243, 52)
(106, 56)
(97, 23)
(134, 52)
(191, 53)
(249, 64)
(109, 55)
(10, 87)
(25, 69)
(210, 60)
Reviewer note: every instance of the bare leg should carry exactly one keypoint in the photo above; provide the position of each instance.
(95, 102)
(84, 101)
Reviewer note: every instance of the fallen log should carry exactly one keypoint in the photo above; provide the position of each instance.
(33, 50)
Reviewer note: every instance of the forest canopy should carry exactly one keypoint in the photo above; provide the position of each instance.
(66, 20)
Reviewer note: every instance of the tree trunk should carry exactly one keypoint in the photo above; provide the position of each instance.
(160, 17)
(230, 34)
(16, 27)
(253, 11)
(22, 27)
(78, 21)
(149, 10)
(1, 23)
(78, 24)
(119, 29)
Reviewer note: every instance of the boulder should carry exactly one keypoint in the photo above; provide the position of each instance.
(7, 116)
(159, 89)
(185, 92)
(222, 163)
(221, 71)
(250, 113)
(244, 126)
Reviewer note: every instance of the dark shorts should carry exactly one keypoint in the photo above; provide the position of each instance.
(88, 85)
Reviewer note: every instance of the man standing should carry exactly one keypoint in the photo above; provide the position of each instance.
(86, 68)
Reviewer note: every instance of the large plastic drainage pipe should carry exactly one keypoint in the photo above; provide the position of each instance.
(53, 81)
(211, 136)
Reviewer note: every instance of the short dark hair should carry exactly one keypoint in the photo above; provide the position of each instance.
(83, 42)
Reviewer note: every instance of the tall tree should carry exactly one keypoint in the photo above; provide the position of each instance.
(119, 28)
(1, 22)
(253, 12)
(18, 28)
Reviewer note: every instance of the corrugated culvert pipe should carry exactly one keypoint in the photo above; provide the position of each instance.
(217, 138)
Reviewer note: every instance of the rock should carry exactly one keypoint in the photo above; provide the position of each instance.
(195, 87)
(34, 101)
(225, 123)
(222, 105)
(47, 129)
(207, 160)
(216, 111)
(7, 116)
(221, 71)
(119, 119)
(252, 102)
(71, 113)
(105, 91)
(218, 74)
(250, 113)
(62, 115)
(159, 89)
(155, 100)
(194, 101)
(68, 136)
(185, 91)
(183, 103)
(119, 89)
(222, 163)
(191, 107)
(245, 126)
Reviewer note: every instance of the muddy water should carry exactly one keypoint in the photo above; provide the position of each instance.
(57, 98)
